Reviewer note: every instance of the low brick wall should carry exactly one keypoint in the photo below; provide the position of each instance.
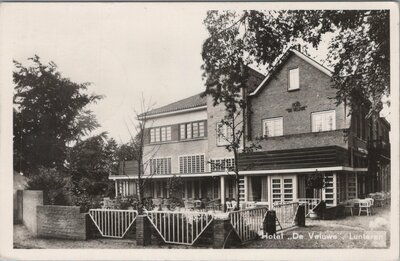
(31, 199)
(61, 222)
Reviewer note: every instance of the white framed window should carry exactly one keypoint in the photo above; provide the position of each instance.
(218, 165)
(273, 127)
(157, 130)
(191, 164)
(192, 130)
(160, 166)
(152, 135)
(323, 121)
(294, 82)
(201, 129)
(182, 131)
(195, 129)
(224, 134)
(160, 134)
(169, 137)
(163, 134)
(189, 131)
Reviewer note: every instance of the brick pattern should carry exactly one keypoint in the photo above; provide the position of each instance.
(64, 222)
(31, 200)
(314, 93)
(306, 140)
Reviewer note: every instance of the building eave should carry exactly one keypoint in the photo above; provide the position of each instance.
(300, 55)
(247, 173)
(163, 114)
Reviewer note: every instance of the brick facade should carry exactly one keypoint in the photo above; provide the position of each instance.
(64, 222)
(274, 100)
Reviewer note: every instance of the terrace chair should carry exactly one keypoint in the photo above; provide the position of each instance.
(372, 201)
(229, 206)
(379, 199)
(349, 204)
(157, 202)
(364, 205)
(166, 202)
(234, 204)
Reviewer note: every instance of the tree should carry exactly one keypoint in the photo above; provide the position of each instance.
(50, 112)
(53, 184)
(138, 141)
(358, 51)
(89, 164)
(316, 181)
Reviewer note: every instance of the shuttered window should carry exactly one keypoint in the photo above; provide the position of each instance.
(294, 79)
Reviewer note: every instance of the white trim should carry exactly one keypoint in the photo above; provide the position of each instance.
(312, 62)
(191, 155)
(249, 172)
(302, 56)
(325, 112)
(273, 120)
(157, 115)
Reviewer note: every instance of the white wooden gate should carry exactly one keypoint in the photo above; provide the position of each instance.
(285, 214)
(182, 228)
(248, 223)
(113, 222)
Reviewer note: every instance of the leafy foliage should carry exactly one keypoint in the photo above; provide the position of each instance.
(315, 181)
(49, 112)
(52, 183)
(89, 164)
(358, 51)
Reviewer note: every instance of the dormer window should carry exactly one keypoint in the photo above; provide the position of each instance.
(294, 79)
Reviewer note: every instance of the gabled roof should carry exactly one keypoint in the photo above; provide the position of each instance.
(192, 102)
(197, 101)
(283, 59)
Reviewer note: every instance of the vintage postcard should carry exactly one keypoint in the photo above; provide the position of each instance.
(199, 130)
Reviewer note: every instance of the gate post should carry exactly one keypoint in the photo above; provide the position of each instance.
(301, 216)
(143, 230)
(221, 229)
(269, 224)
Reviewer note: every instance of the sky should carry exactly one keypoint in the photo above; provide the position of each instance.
(125, 50)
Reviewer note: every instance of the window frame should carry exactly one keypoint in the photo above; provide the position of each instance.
(298, 79)
(169, 168)
(191, 127)
(186, 164)
(324, 112)
(264, 121)
(158, 132)
(223, 142)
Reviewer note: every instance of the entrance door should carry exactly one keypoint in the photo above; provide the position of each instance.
(282, 188)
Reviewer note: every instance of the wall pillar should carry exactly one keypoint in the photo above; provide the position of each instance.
(222, 192)
(269, 224)
(300, 218)
(223, 232)
(19, 212)
(143, 230)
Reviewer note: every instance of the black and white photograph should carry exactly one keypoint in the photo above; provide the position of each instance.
(199, 131)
